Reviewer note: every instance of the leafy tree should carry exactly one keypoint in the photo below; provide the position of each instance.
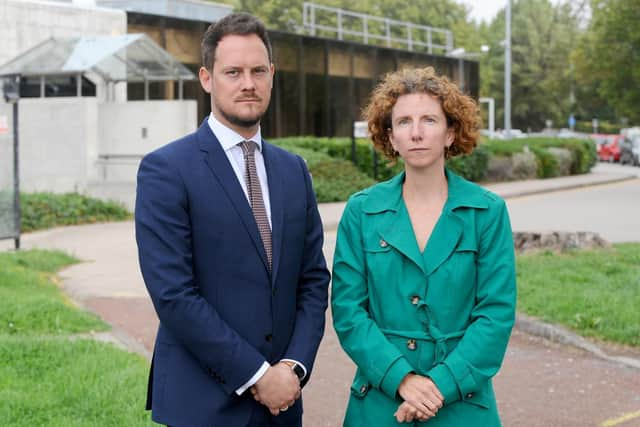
(286, 15)
(542, 38)
(608, 61)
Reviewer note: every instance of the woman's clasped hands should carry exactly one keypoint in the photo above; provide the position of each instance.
(422, 399)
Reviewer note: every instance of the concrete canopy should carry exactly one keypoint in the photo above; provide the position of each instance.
(130, 57)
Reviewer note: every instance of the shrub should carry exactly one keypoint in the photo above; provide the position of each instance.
(334, 179)
(46, 210)
(564, 159)
(525, 166)
(473, 166)
(341, 148)
(547, 163)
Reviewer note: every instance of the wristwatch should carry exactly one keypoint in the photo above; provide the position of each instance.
(296, 368)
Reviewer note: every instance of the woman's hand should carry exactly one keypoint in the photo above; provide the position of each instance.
(421, 394)
(407, 413)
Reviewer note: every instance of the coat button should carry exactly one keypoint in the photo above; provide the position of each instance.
(415, 300)
(411, 344)
(468, 396)
(383, 243)
(268, 337)
(363, 389)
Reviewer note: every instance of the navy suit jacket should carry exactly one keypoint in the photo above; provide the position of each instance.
(222, 313)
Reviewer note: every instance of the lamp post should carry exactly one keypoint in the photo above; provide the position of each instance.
(11, 91)
(507, 72)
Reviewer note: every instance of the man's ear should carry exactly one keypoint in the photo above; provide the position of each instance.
(205, 79)
(273, 73)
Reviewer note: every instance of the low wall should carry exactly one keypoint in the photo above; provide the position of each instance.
(58, 143)
(76, 144)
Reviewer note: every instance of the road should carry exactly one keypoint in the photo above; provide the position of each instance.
(612, 210)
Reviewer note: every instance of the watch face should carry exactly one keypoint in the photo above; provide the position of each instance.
(297, 369)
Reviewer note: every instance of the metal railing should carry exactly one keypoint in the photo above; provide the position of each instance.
(414, 36)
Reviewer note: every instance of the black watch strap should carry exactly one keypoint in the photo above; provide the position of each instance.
(297, 369)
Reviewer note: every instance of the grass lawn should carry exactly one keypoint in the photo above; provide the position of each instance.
(48, 378)
(593, 292)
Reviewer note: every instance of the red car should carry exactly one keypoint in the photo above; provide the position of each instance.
(608, 146)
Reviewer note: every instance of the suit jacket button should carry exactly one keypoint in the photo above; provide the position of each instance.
(415, 300)
(363, 389)
(468, 396)
(411, 344)
(383, 243)
(268, 337)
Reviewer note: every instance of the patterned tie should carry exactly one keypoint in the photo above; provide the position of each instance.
(255, 196)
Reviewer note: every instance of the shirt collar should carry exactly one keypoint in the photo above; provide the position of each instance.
(228, 137)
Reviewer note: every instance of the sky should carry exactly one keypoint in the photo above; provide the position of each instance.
(484, 10)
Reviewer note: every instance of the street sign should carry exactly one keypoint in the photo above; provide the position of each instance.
(360, 130)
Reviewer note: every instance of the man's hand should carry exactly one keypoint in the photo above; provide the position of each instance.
(421, 393)
(278, 388)
(407, 413)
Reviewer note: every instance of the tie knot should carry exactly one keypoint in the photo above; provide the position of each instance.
(248, 147)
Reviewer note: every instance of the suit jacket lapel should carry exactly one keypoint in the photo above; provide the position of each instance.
(217, 161)
(276, 198)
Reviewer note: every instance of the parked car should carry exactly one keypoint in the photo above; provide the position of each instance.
(630, 151)
(608, 146)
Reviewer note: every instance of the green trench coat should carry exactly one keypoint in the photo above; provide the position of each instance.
(446, 313)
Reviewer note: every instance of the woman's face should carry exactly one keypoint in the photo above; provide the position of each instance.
(419, 131)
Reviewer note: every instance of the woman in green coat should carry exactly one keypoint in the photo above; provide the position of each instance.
(424, 286)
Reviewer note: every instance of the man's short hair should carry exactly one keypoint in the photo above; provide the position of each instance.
(237, 24)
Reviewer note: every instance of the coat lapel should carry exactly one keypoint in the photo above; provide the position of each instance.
(400, 235)
(450, 227)
(443, 240)
(276, 198)
(217, 162)
(396, 230)
(446, 235)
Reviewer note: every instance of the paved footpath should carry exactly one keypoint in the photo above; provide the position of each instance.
(542, 383)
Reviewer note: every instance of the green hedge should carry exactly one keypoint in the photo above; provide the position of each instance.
(46, 210)
(583, 152)
(334, 179)
(603, 127)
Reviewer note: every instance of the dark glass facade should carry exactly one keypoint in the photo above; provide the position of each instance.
(321, 85)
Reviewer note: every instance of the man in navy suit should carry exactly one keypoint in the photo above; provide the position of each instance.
(230, 247)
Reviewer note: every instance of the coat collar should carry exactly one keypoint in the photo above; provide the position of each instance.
(448, 231)
(388, 195)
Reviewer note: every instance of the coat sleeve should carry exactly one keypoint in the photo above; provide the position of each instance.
(480, 352)
(164, 234)
(313, 287)
(379, 360)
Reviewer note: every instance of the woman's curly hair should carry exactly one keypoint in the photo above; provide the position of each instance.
(461, 110)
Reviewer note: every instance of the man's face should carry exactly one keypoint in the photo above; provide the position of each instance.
(240, 82)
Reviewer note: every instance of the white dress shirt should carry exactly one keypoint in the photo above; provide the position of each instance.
(229, 140)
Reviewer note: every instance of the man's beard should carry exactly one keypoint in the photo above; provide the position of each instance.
(239, 121)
